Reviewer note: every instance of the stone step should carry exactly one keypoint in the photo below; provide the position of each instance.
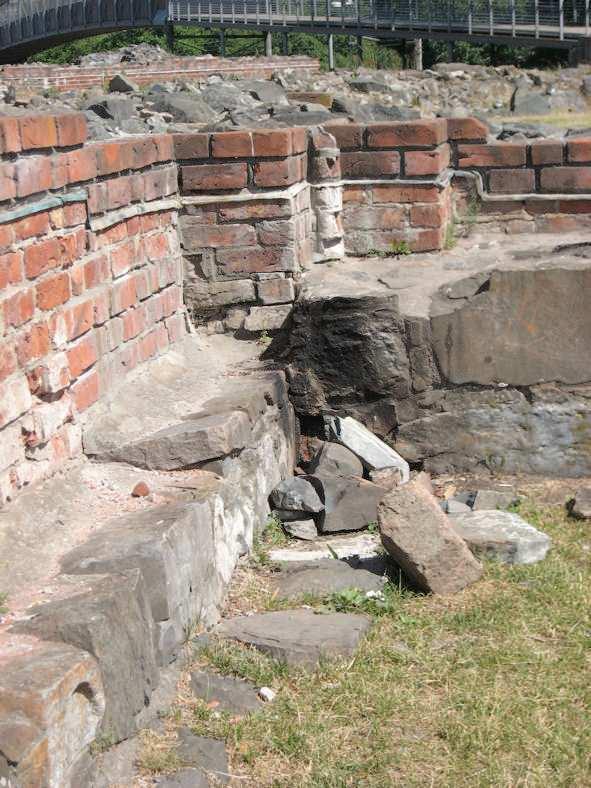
(322, 578)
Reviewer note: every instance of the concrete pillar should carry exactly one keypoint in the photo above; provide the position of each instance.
(222, 43)
(285, 42)
(450, 51)
(330, 52)
(417, 54)
(269, 44)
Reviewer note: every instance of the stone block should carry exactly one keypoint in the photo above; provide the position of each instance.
(267, 318)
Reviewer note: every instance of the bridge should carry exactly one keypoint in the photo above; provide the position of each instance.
(28, 26)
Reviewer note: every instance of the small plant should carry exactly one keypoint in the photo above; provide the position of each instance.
(103, 742)
(400, 248)
(372, 528)
(3, 600)
(375, 603)
(264, 338)
(450, 236)
(272, 535)
(376, 253)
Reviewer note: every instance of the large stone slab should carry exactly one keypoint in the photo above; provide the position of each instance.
(350, 503)
(422, 541)
(356, 548)
(373, 452)
(298, 637)
(323, 578)
(335, 460)
(209, 755)
(502, 536)
(228, 693)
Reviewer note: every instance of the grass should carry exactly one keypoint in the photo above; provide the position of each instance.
(489, 687)
(3, 600)
(575, 120)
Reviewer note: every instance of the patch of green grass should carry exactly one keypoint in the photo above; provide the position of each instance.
(3, 600)
(271, 536)
(400, 248)
(489, 687)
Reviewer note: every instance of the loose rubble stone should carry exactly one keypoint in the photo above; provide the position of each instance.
(184, 778)
(421, 540)
(502, 536)
(323, 578)
(141, 490)
(301, 529)
(386, 478)
(494, 499)
(122, 84)
(372, 452)
(582, 504)
(361, 548)
(350, 503)
(336, 460)
(207, 754)
(298, 637)
(296, 495)
(230, 694)
(454, 507)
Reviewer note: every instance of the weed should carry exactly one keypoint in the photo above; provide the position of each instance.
(372, 527)
(400, 248)
(450, 235)
(264, 338)
(104, 741)
(272, 535)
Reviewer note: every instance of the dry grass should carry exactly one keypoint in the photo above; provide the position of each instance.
(571, 120)
(486, 688)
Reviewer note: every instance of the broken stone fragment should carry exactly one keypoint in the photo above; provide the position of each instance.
(387, 478)
(350, 503)
(581, 506)
(336, 460)
(502, 536)
(421, 540)
(208, 755)
(296, 495)
(226, 692)
(373, 452)
(454, 507)
(298, 637)
(122, 84)
(494, 499)
(324, 577)
(301, 529)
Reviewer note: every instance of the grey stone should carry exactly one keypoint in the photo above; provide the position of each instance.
(207, 754)
(297, 495)
(184, 778)
(368, 85)
(267, 318)
(236, 291)
(581, 506)
(116, 108)
(386, 478)
(231, 694)
(122, 84)
(421, 540)
(112, 621)
(494, 499)
(264, 90)
(527, 102)
(301, 529)
(224, 96)
(184, 445)
(373, 453)
(502, 536)
(454, 507)
(361, 549)
(325, 577)
(184, 108)
(351, 503)
(336, 460)
(298, 637)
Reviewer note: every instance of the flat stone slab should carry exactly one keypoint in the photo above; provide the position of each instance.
(373, 452)
(298, 637)
(324, 578)
(582, 504)
(229, 693)
(184, 778)
(361, 547)
(502, 536)
(206, 754)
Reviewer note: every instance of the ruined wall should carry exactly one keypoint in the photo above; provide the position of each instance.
(90, 280)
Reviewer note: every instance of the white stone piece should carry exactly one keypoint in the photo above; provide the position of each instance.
(373, 452)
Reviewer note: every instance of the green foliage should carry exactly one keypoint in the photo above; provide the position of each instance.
(3, 600)
(272, 535)
(400, 247)
(375, 603)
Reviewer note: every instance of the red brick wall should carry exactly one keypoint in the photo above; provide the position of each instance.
(90, 280)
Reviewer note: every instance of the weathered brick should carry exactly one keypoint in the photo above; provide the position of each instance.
(160, 183)
(278, 233)
(214, 177)
(466, 129)
(85, 391)
(348, 136)
(8, 360)
(7, 181)
(41, 257)
(176, 326)
(272, 209)
(33, 175)
(79, 318)
(53, 291)
(123, 295)
(269, 174)
(370, 164)
(15, 399)
(231, 145)
(496, 154)
(114, 157)
(427, 240)
(134, 322)
(574, 206)
(512, 181)
(97, 198)
(565, 179)
(299, 139)
(19, 307)
(199, 236)
(431, 162)
(427, 215)
(12, 450)
(405, 194)
(118, 192)
(81, 165)
(45, 420)
(50, 376)
(72, 129)
(156, 246)
(546, 152)
(579, 150)
(191, 146)
(32, 343)
(255, 259)
(276, 291)
(164, 147)
(144, 152)
(272, 142)
(375, 218)
(82, 356)
(407, 133)
(30, 226)
(10, 137)
(38, 131)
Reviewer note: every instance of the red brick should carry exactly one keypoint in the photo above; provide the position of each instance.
(32, 343)
(277, 173)
(164, 147)
(7, 182)
(118, 192)
(72, 129)
(427, 240)
(81, 165)
(30, 226)
(427, 215)
(214, 177)
(75, 214)
(156, 246)
(557, 224)
(8, 362)
(429, 162)
(546, 152)
(574, 206)
(466, 129)
(123, 295)
(579, 150)
(19, 308)
(102, 307)
(160, 183)
(215, 236)
(254, 259)
(253, 211)
(231, 145)
(372, 164)
(149, 222)
(6, 236)
(41, 257)
(191, 146)
(539, 206)
(405, 194)
(272, 142)
(407, 133)
(123, 258)
(85, 392)
(33, 174)
(51, 376)
(79, 319)
(112, 235)
(96, 272)
(53, 291)
(299, 139)
(144, 153)
(497, 154)
(114, 157)
(133, 226)
(348, 136)
(10, 269)
(97, 198)
(38, 131)
(134, 322)
(148, 346)
(565, 179)
(512, 181)
(82, 356)
(10, 137)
